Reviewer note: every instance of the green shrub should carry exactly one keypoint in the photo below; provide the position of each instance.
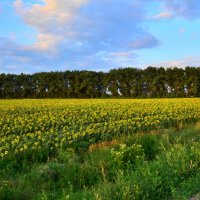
(150, 144)
(125, 157)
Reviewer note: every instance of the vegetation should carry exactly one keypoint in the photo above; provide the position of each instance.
(126, 83)
(99, 149)
(39, 129)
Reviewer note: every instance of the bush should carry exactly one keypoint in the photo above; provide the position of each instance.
(150, 144)
(125, 157)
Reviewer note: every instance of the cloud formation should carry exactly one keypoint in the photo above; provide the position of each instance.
(52, 19)
(163, 15)
(183, 62)
(82, 32)
(87, 33)
(189, 9)
(109, 25)
(16, 58)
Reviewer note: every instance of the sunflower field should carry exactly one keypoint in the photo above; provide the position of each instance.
(38, 129)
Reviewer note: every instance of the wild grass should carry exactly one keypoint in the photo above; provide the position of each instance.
(164, 164)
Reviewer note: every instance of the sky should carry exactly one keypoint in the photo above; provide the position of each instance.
(98, 35)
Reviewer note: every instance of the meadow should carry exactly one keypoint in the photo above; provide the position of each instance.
(100, 149)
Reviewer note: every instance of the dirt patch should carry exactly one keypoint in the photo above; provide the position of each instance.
(196, 197)
(102, 145)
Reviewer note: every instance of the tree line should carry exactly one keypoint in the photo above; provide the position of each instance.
(123, 82)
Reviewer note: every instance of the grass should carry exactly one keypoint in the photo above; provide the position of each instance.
(161, 165)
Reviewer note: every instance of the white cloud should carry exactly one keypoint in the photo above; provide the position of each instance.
(52, 20)
(89, 32)
(93, 24)
(53, 12)
(163, 15)
(146, 41)
(189, 9)
(46, 42)
(79, 33)
(123, 54)
(183, 62)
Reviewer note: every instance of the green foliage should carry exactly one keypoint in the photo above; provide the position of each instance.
(37, 130)
(123, 82)
(166, 177)
(126, 157)
(151, 145)
(57, 152)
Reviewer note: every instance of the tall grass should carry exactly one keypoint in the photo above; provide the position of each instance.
(161, 165)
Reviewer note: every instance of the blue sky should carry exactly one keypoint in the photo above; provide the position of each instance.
(58, 35)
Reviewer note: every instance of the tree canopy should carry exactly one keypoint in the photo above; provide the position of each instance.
(123, 82)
